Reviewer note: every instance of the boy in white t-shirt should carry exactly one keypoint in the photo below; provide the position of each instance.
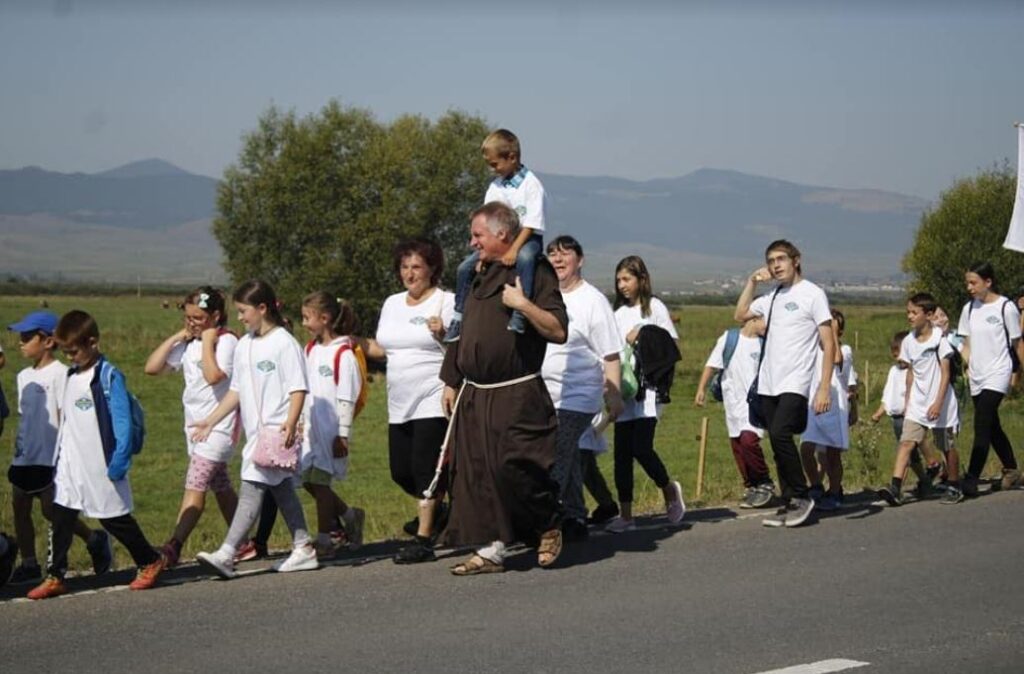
(40, 389)
(518, 188)
(798, 324)
(94, 453)
(930, 402)
(736, 355)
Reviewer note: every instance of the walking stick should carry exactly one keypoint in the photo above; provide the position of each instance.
(700, 460)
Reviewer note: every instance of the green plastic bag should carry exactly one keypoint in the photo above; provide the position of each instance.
(629, 384)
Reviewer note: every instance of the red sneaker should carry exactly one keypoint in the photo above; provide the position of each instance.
(52, 586)
(147, 575)
(250, 551)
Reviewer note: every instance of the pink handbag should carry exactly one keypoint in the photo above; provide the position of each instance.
(271, 452)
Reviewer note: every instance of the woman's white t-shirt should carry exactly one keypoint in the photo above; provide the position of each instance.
(200, 398)
(40, 395)
(574, 371)
(627, 318)
(321, 407)
(989, 366)
(923, 358)
(736, 380)
(81, 481)
(793, 343)
(267, 371)
(414, 356)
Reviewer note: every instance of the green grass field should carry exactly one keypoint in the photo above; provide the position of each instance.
(131, 327)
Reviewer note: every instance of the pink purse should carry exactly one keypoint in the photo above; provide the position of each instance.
(271, 452)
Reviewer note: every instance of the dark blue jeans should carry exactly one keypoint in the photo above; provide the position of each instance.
(526, 265)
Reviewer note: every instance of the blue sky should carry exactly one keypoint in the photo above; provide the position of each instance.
(842, 94)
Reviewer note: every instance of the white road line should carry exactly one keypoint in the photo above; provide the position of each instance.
(820, 667)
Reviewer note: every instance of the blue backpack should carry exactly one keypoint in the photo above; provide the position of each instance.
(138, 434)
(732, 338)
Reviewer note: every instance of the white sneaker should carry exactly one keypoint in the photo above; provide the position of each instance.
(302, 558)
(222, 565)
(619, 525)
(677, 508)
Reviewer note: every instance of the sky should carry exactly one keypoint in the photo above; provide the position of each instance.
(897, 96)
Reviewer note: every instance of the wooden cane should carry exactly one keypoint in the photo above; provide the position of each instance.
(700, 459)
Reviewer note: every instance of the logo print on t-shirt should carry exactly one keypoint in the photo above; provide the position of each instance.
(993, 320)
(418, 320)
(324, 371)
(521, 211)
(266, 366)
(792, 306)
(84, 403)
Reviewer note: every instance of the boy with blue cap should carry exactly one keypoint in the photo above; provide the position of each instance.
(40, 391)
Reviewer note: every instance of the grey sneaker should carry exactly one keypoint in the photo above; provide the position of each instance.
(763, 495)
(100, 551)
(1011, 479)
(748, 498)
(799, 510)
(778, 519)
(952, 496)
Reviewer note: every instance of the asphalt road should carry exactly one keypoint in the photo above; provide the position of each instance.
(922, 588)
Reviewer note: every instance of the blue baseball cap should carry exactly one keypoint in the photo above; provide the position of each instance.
(43, 321)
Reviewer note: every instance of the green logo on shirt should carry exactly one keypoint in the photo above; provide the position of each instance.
(792, 306)
(325, 371)
(266, 366)
(521, 210)
(84, 403)
(993, 320)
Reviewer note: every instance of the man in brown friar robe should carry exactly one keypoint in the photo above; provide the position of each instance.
(503, 423)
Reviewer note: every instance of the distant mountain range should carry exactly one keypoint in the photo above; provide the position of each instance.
(151, 220)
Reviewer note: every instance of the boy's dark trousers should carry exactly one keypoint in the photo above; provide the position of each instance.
(786, 415)
(124, 528)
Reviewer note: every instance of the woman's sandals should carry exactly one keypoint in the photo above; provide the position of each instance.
(476, 565)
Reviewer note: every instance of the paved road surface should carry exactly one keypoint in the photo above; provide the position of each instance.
(923, 588)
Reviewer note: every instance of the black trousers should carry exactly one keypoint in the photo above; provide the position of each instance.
(988, 431)
(413, 448)
(634, 439)
(124, 528)
(593, 480)
(786, 415)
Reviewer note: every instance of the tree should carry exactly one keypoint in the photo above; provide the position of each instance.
(967, 225)
(319, 202)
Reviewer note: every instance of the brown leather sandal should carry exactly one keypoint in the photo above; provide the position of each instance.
(476, 565)
(550, 547)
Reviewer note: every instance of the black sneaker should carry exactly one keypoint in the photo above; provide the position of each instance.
(890, 496)
(415, 553)
(27, 574)
(7, 558)
(952, 496)
(603, 513)
(574, 531)
(924, 490)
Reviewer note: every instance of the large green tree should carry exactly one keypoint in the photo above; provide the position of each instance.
(318, 202)
(967, 225)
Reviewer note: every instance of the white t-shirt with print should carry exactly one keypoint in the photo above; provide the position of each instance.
(989, 366)
(793, 343)
(894, 395)
(267, 371)
(736, 380)
(40, 395)
(522, 193)
(847, 373)
(200, 399)
(321, 407)
(414, 356)
(923, 358)
(627, 318)
(81, 481)
(574, 371)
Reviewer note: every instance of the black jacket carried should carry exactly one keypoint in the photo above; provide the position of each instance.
(656, 354)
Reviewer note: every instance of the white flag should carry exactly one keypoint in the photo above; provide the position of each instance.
(1015, 237)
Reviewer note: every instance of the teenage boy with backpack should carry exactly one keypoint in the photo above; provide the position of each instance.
(731, 369)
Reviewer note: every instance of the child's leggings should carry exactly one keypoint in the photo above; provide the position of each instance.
(250, 501)
(989, 431)
(124, 528)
